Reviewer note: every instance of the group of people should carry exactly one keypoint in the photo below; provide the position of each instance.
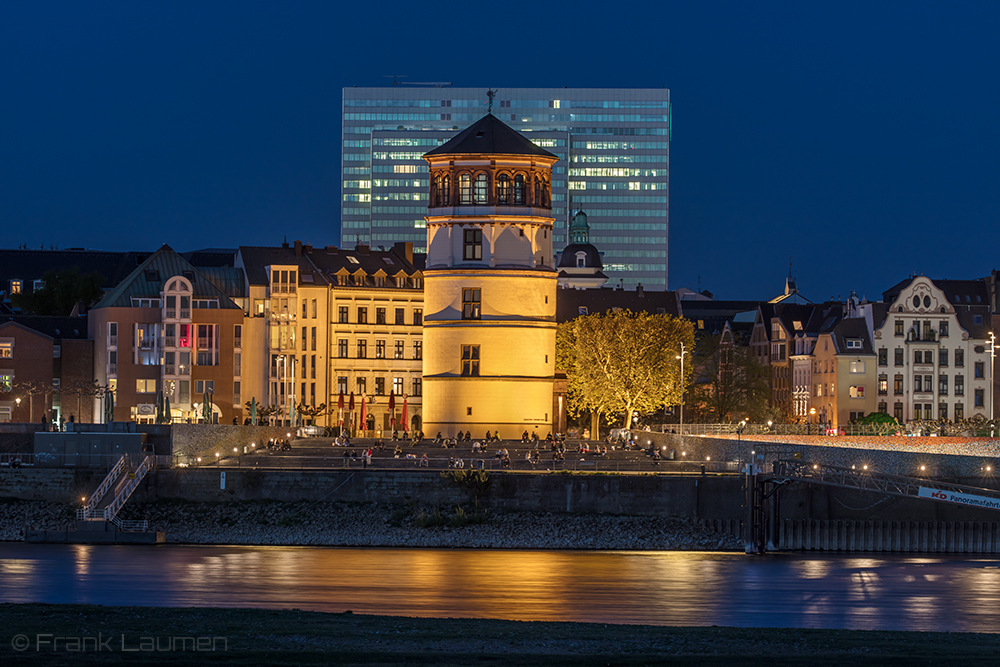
(352, 455)
(277, 445)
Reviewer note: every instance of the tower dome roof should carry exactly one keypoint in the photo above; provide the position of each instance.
(591, 255)
(490, 135)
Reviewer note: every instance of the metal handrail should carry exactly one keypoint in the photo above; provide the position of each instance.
(112, 509)
(96, 496)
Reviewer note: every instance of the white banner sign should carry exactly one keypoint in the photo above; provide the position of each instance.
(222, 481)
(960, 498)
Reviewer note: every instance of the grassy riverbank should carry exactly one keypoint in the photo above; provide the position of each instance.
(140, 635)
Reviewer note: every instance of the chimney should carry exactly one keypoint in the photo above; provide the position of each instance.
(331, 250)
(638, 289)
(362, 249)
(284, 243)
(298, 248)
(404, 249)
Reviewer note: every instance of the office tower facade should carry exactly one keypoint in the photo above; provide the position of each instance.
(614, 161)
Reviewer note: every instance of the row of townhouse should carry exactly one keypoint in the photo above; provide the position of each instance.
(282, 326)
(924, 352)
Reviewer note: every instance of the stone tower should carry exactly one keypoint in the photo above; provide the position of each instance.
(489, 287)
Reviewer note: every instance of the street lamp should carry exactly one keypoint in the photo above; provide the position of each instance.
(18, 401)
(993, 354)
(681, 357)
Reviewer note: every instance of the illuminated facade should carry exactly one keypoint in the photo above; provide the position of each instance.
(490, 293)
(613, 146)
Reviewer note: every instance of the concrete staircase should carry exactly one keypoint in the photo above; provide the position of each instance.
(105, 503)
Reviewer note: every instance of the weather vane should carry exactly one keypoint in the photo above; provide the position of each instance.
(490, 94)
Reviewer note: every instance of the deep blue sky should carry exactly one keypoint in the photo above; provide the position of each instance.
(861, 140)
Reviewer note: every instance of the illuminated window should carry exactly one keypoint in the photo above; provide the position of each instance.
(470, 360)
(362, 349)
(399, 347)
(380, 349)
(519, 189)
(503, 189)
(482, 189)
(418, 317)
(446, 191)
(342, 384)
(857, 367)
(418, 349)
(464, 189)
(473, 245)
(397, 386)
(6, 380)
(960, 385)
(857, 391)
(15, 286)
(883, 386)
(6, 348)
(146, 386)
(471, 303)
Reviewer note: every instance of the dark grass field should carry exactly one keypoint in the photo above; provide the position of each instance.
(86, 634)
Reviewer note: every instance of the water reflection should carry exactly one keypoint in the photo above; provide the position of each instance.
(887, 592)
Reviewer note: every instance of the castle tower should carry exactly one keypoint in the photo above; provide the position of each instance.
(489, 287)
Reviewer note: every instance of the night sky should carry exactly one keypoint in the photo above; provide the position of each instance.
(860, 140)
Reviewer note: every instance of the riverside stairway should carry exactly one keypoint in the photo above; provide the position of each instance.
(98, 522)
(120, 482)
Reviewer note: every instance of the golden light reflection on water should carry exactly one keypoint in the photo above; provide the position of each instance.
(665, 588)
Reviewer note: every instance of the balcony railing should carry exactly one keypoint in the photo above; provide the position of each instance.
(171, 313)
(168, 369)
(185, 314)
(112, 369)
(147, 344)
(112, 341)
(183, 369)
(203, 343)
(170, 341)
(238, 343)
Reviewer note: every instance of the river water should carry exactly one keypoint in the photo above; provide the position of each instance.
(878, 591)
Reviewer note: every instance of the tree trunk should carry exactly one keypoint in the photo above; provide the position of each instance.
(595, 425)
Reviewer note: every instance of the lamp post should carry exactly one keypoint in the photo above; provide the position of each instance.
(18, 401)
(993, 353)
(681, 357)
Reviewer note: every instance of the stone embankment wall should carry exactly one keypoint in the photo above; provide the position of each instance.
(193, 440)
(641, 495)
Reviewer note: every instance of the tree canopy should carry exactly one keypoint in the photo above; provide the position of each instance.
(62, 290)
(623, 362)
(731, 384)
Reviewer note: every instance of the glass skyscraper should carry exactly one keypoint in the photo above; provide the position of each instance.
(613, 145)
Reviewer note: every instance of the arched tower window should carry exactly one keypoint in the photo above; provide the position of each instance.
(546, 197)
(519, 189)
(537, 200)
(437, 191)
(446, 191)
(482, 189)
(464, 189)
(503, 189)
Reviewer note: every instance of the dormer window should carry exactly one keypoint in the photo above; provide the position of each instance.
(853, 344)
(379, 281)
(581, 260)
(16, 286)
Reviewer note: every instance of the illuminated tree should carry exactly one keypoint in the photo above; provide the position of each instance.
(730, 383)
(623, 362)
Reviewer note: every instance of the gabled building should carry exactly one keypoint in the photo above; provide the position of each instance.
(167, 328)
(843, 373)
(933, 350)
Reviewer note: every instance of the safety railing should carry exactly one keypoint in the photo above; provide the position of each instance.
(16, 460)
(96, 496)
